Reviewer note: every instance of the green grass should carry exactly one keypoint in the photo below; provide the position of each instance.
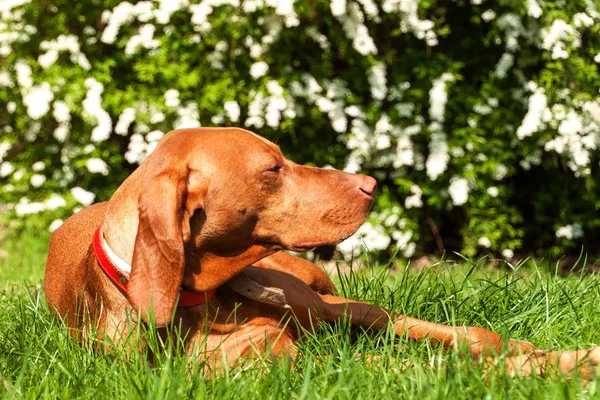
(38, 358)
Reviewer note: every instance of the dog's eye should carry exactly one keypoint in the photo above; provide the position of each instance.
(276, 168)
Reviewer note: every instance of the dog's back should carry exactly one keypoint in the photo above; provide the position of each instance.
(69, 244)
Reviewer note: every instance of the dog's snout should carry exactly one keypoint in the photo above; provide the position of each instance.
(368, 185)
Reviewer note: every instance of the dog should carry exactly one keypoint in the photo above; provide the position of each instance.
(195, 238)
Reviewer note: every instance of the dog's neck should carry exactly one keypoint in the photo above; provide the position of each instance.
(121, 221)
(123, 267)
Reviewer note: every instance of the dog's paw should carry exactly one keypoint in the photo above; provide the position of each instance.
(581, 364)
(520, 347)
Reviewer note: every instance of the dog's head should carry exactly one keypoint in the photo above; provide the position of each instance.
(214, 201)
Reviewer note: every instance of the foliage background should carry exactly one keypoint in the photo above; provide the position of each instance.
(479, 119)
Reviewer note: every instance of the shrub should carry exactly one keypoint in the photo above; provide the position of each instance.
(480, 120)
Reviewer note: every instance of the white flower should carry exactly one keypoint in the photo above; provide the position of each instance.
(409, 249)
(363, 43)
(504, 64)
(484, 242)
(38, 166)
(488, 15)
(122, 14)
(405, 153)
(285, 8)
(37, 180)
(258, 69)
(6, 169)
(154, 136)
(61, 132)
(557, 35)
(493, 191)
(172, 98)
(437, 162)
(25, 207)
(55, 225)
(438, 97)
(23, 74)
(371, 237)
(597, 58)
(18, 175)
(200, 13)
(97, 166)
(500, 172)
(352, 165)
(378, 81)
(61, 112)
(5, 79)
(63, 43)
(508, 254)
(256, 111)
(482, 109)
(144, 38)
(83, 61)
(582, 20)
(37, 99)
(47, 59)
(55, 201)
(338, 7)
(571, 125)
(84, 197)
(339, 123)
(534, 9)
(136, 151)
(533, 119)
(370, 8)
(273, 111)
(414, 200)
(11, 107)
(459, 191)
(4, 148)
(571, 231)
(125, 119)
(168, 7)
(422, 29)
(402, 239)
(353, 111)
(382, 142)
(93, 111)
(232, 109)
(156, 116)
(188, 116)
(324, 104)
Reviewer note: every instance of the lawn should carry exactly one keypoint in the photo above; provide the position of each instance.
(38, 358)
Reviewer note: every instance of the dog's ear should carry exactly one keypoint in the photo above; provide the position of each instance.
(158, 257)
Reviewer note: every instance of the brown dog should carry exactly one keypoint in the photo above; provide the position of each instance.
(204, 219)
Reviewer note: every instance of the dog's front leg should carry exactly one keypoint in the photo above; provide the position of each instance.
(483, 344)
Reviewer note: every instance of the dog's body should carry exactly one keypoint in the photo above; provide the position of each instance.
(209, 206)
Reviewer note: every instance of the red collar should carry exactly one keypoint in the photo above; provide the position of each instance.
(187, 298)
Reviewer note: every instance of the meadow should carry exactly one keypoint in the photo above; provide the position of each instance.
(529, 301)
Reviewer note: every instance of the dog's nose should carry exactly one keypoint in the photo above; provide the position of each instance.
(368, 185)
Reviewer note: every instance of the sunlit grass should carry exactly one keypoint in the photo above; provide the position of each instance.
(39, 359)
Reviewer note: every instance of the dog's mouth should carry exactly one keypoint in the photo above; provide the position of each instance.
(297, 247)
(302, 247)
(304, 244)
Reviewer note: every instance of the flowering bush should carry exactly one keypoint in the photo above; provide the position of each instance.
(480, 120)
